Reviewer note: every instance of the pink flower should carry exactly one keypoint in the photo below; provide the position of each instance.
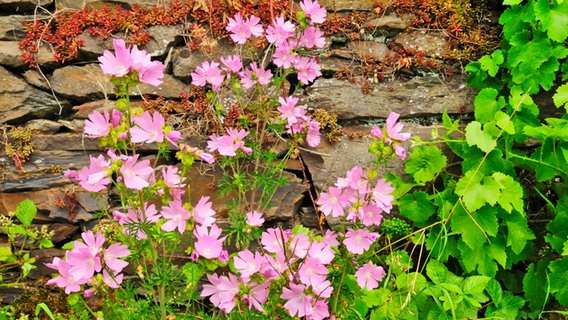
(118, 65)
(208, 72)
(273, 268)
(116, 117)
(253, 75)
(382, 195)
(288, 109)
(274, 240)
(308, 69)
(134, 220)
(279, 31)
(333, 202)
(222, 291)
(208, 243)
(176, 216)
(202, 212)
(355, 179)
(136, 175)
(241, 30)
(298, 303)
(229, 144)
(254, 219)
(152, 73)
(359, 241)
(233, 63)
(400, 152)
(377, 132)
(257, 296)
(320, 310)
(312, 272)
(149, 128)
(113, 253)
(98, 125)
(370, 215)
(66, 279)
(112, 280)
(172, 178)
(95, 177)
(85, 258)
(247, 263)
(369, 275)
(314, 11)
(284, 56)
(312, 37)
(313, 137)
(394, 128)
(321, 251)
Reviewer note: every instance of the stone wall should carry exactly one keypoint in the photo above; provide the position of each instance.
(55, 99)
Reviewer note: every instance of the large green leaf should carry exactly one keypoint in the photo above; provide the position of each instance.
(561, 96)
(477, 190)
(487, 103)
(553, 16)
(475, 227)
(512, 194)
(475, 136)
(518, 232)
(417, 207)
(535, 284)
(559, 279)
(484, 258)
(425, 163)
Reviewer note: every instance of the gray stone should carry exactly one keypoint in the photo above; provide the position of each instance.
(10, 54)
(43, 126)
(79, 4)
(432, 43)
(391, 21)
(88, 82)
(19, 101)
(417, 97)
(18, 6)
(11, 27)
(348, 5)
(376, 51)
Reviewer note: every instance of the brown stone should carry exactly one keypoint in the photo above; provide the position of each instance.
(369, 50)
(11, 27)
(43, 126)
(18, 6)
(391, 21)
(347, 5)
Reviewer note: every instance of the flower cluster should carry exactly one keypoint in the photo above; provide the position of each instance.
(298, 121)
(126, 60)
(389, 138)
(85, 259)
(229, 144)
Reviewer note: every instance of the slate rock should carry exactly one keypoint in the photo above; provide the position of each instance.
(347, 5)
(432, 43)
(19, 6)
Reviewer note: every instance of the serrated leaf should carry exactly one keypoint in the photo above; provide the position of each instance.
(503, 121)
(475, 227)
(507, 309)
(424, 163)
(449, 125)
(437, 272)
(475, 284)
(511, 192)
(561, 96)
(26, 211)
(487, 103)
(559, 279)
(5, 253)
(475, 136)
(413, 281)
(477, 190)
(511, 2)
(417, 207)
(554, 18)
(535, 284)
(518, 232)
(494, 289)
(491, 63)
(484, 258)
(376, 297)
(516, 19)
(557, 227)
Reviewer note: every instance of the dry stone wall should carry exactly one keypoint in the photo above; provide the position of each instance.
(55, 99)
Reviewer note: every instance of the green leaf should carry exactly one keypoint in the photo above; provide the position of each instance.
(511, 2)
(475, 136)
(511, 192)
(559, 279)
(487, 103)
(417, 207)
(518, 232)
(437, 272)
(376, 297)
(503, 121)
(561, 96)
(477, 190)
(557, 227)
(424, 163)
(450, 125)
(26, 211)
(45, 243)
(475, 227)
(494, 289)
(554, 18)
(5, 253)
(535, 284)
(491, 63)
(475, 284)
(508, 308)
(484, 258)
(516, 19)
